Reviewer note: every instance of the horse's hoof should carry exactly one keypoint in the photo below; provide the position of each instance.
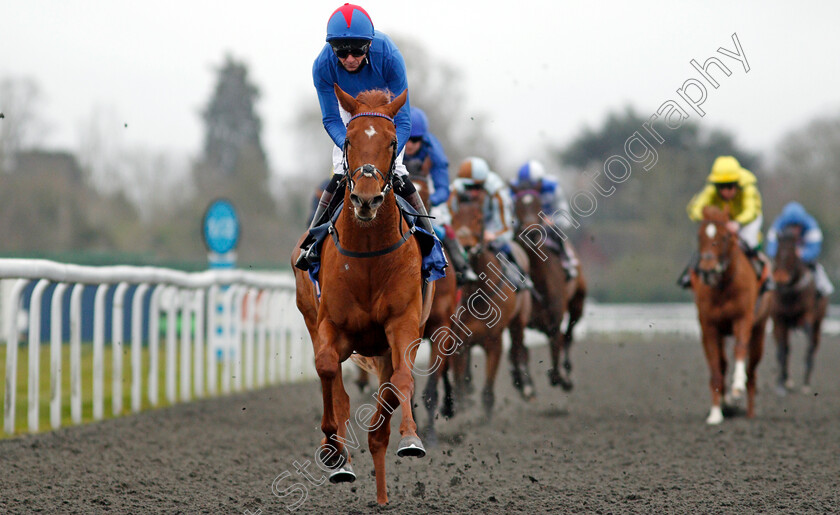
(566, 385)
(789, 384)
(431, 437)
(554, 377)
(781, 391)
(343, 474)
(528, 392)
(411, 446)
(736, 395)
(806, 389)
(715, 416)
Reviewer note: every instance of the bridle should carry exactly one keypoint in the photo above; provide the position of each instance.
(723, 260)
(367, 169)
(370, 170)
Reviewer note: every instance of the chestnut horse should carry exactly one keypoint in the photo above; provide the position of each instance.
(486, 309)
(557, 295)
(726, 291)
(796, 305)
(370, 301)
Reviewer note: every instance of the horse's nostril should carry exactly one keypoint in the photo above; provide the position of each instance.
(355, 200)
(377, 201)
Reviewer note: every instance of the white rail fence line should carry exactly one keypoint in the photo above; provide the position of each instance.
(272, 345)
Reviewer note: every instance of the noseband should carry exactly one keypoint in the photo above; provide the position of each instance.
(367, 169)
(723, 261)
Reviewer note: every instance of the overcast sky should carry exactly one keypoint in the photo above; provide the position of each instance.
(541, 70)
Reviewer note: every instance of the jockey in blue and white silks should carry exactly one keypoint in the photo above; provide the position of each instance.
(475, 174)
(555, 205)
(810, 241)
(359, 58)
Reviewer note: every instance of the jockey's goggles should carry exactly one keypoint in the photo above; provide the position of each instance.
(726, 185)
(354, 47)
(415, 139)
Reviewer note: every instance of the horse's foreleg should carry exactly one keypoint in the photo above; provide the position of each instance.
(328, 366)
(780, 334)
(575, 311)
(518, 356)
(401, 336)
(741, 330)
(712, 348)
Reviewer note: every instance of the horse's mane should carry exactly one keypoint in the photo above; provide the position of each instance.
(715, 214)
(374, 97)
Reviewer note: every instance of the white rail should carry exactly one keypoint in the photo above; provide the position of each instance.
(250, 316)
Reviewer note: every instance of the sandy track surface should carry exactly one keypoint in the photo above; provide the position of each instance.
(630, 438)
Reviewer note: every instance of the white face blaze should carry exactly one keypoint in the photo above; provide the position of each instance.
(370, 131)
(711, 230)
(527, 199)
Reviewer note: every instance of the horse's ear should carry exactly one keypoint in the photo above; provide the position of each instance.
(345, 100)
(394, 107)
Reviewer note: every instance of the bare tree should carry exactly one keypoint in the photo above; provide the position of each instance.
(21, 126)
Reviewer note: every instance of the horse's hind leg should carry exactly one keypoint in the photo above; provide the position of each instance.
(812, 330)
(493, 347)
(430, 401)
(555, 344)
(780, 333)
(379, 427)
(756, 350)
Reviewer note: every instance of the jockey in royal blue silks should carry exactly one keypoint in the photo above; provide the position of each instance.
(809, 245)
(532, 176)
(359, 58)
(425, 157)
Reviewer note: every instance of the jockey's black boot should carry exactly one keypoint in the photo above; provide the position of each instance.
(759, 262)
(463, 271)
(405, 188)
(304, 259)
(685, 277)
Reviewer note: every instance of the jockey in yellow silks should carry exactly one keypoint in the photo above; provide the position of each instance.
(731, 186)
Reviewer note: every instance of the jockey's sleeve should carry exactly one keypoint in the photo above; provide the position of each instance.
(699, 201)
(772, 241)
(392, 64)
(439, 171)
(330, 115)
(812, 240)
(501, 212)
(750, 205)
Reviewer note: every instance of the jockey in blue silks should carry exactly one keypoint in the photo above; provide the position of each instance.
(532, 176)
(809, 245)
(425, 157)
(359, 58)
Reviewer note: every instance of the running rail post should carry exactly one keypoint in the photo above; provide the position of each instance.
(186, 321)
(117, 347)
(76, 353)
(137, 346)
(11, 355)
(56, 340)
(35, 352)
(198, 349)
(99, 351)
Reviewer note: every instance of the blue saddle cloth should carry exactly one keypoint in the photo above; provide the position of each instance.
(434, 261)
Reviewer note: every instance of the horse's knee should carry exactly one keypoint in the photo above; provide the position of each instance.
(326, 363)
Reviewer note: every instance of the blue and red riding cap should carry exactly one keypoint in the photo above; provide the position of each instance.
(350, 22)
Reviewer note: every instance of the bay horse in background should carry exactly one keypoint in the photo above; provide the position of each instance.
(726, 291)
(796, 305)
(370, 301)
(557, 294)
(486, 309)
(444, 304)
